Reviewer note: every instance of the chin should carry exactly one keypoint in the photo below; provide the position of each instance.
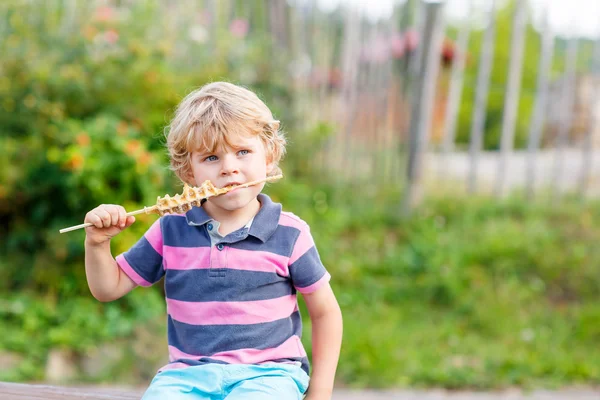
(234, 204)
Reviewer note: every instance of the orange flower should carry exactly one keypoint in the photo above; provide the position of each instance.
(75, 162)
(145, 158)
(83, 139)
(132, 146)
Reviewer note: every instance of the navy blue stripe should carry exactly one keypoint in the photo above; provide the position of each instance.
(201, 361)
(308, 269)
(265, 222)
(226, 285)
(145, 260)
(281, 242)
(207, 360)
(177, 232)
(210, 339)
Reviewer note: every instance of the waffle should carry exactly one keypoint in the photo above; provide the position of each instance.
(183, 202)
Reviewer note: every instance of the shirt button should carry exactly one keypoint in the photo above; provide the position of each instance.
(220, 246)
(210, 226)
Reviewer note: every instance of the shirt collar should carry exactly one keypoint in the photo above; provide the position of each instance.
(263, 226)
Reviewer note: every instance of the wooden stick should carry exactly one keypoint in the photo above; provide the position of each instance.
(150, 210)
(73, 228)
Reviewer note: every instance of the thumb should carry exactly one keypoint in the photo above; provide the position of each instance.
(130, 220)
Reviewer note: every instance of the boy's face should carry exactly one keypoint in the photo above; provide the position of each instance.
(245, 161)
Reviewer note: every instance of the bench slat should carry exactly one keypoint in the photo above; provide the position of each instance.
(21, 391)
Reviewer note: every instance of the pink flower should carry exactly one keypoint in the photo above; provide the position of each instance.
(104, 13)
(411, 38)
(239, 28)
(397, 45)
(111, 36)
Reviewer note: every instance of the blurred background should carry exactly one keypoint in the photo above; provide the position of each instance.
(445, 154)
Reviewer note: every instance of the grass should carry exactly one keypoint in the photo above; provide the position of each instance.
(467, 293)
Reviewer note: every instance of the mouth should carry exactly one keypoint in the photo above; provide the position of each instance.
(230, 185)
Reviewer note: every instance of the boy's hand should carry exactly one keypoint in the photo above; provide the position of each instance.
(109, 220)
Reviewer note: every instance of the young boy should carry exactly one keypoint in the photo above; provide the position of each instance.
(232, 267)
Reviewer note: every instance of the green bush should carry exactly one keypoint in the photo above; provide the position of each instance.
(85, 95)
(467, 293)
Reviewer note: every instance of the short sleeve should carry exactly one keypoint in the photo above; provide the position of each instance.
(143, 261)
(306, 269)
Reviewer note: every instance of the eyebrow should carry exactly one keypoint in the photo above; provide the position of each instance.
(234, 146)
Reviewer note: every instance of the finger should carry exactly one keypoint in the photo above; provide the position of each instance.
(122, 217)
(93, 218)
(130, 220)
(105, 216)
(114, 215)
(102, 213)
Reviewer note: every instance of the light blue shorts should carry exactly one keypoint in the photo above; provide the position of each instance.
(269, 381)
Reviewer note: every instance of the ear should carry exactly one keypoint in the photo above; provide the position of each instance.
(270, 164)
(188, 178)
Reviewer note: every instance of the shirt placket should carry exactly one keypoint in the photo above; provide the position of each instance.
(218, 253)
(218, 260)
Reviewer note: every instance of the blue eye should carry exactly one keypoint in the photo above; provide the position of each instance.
(211, 158)
(243, 152)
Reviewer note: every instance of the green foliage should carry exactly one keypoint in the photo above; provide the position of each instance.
(467, 293)
(499, 78)
(85, 95)
(84, 100)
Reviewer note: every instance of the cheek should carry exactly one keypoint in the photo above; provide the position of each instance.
(195, 173)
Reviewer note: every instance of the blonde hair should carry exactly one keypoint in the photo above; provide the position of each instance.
(210, 116)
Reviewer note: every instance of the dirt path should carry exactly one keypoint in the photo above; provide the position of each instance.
(571, 394)
(20, 391)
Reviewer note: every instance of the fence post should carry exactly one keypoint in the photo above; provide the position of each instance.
(513, 91)
(350, 58)
(481, 98)
(455, 91)
(422, 101)
(586, 164)
(539, 112)
(566, 119)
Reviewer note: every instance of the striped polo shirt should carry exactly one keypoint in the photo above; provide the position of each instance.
(233, 301)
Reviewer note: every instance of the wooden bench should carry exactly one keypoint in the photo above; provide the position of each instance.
(20, 391)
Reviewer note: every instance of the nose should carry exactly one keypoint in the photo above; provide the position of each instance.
(229, 165)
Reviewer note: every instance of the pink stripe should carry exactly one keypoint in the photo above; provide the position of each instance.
(316, 285)
(288, 219)
(124, 265)
(259, 261)
(288, 349)
(303, 244)
(154, 237)
(185, 258)
(304, 241)
(231, 312)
